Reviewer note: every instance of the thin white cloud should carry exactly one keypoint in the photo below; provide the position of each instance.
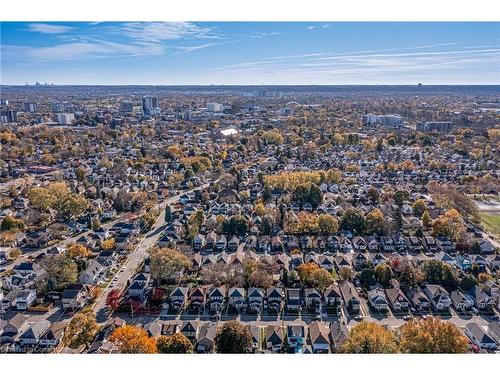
(49, 28)
(163, 31)
(310, 27)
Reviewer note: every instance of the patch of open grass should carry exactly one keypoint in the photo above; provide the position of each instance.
(491, 223)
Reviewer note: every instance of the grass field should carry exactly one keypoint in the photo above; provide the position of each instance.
(491, 223)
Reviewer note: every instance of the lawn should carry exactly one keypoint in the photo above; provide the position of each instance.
(491, 223)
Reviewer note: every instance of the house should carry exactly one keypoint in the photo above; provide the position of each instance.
(332, 296)
(351, 297)
(312, 298)
(478, 336)
(438, 296)
(418, 299)
(206, 338)
(461, 301)
(198, 242)
(338, 334)
(178, 297)
(13, 328)
(236, 298)
(319, 337)
(233, 244)
(296, 337)
(359, 243)
(255, 299)
(34, 332)
(25, 299)
(275, 337)
(377, 300)
(293, 300)
(197, 298)
(74, 296)
(480, 298)
(94, 273)
(397, 299)
(139, 287)
(360, 260)
(216, 298)
(189, 329)
(53, 336)
(221, 243)
(274, 298)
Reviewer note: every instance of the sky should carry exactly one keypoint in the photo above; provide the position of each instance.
(242, 53)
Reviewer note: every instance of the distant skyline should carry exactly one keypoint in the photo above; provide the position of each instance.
(256, 53)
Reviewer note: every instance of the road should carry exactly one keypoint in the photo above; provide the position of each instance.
(65, 243)
(137, 256)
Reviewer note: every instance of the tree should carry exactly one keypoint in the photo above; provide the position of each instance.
(165, 263)
(168, 214)
(448, 277)
(177, 343)
(375, 221)
(352, 220)
(373, 195)
(58, 196)
(383, 274)
(233, 337)
(236, 225)
(312, 276)
(328, 224)
(81, 330)
(450, 224)
(61, 271)
(468, 282)
(400, 196)
(368, 337)
(426, 219)
(431, 336)
(308, 193)
(131, 339)
(113, 299)
(108, 244)
(12, 224)
(433, 270)
(78, 251)
(366, 276)
(419, 207)
(14, 253)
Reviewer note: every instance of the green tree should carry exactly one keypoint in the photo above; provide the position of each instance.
(233, 337)
(236, 225)
(383, 274)
(419, 207)
(468, 282)
(11, 224)
(61, 271)
(177, 343)
(308, 193)
(400, 196)
(81, 330)
(352, 220)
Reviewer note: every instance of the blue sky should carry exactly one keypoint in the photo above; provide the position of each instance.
(250, 53)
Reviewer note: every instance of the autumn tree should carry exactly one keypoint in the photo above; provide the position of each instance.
(450, 224)
(176, 343)
(10, 223)
(419, 207)
(375, 221)
(113, 299)
(373, 195)
(312, 276)
(233, 337)
(368, 337)
(81, 330)
(78, 251)
(166, 263)
(61, 271)
(108, 244)
(131, 339)
(426, 219)
(431, 336)
(327, 224)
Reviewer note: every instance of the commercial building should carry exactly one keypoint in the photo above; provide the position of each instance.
(8, 115)
(65, 118)
(29, 107)
(435, 126)
(384, 120)
(215, 107)
(150, 105)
